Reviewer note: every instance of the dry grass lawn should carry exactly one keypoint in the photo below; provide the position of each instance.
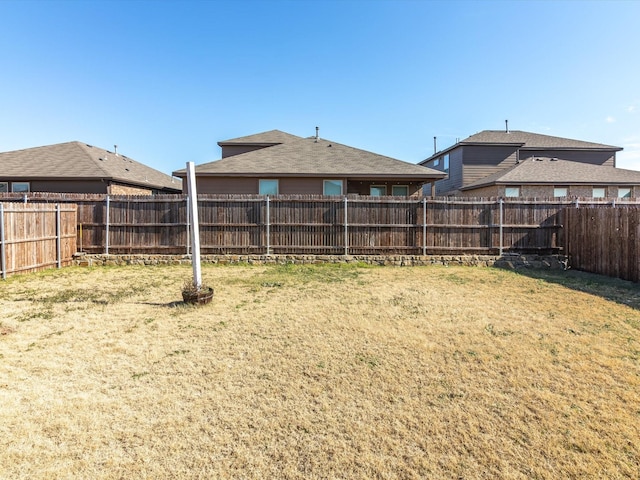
(319, 372)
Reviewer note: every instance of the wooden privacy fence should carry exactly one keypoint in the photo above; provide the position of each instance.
(353, 225)
(36, 236)
(605, 240)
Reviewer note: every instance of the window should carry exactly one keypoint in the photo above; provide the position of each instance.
(400, 191)
(623, 192)
(20, 187)
(268, 187)
(512, 191)
(560, 191)
(445, 161)
(436, 162)
(332, 187)
(4, 187)
(377, 190)
(599, 192)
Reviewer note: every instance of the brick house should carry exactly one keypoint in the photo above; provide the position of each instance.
(276, 162)
(76, 167)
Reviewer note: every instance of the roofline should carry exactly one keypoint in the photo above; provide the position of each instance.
(259, 144)
(23, 178)
(317, 175)
(441, 152)
(589, 149)
(568, 183)
(521, 146)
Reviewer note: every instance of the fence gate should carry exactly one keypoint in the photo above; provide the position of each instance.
(35, 236)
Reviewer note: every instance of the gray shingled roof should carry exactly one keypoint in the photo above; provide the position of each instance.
(531, 141)
(526, 141)
(76, 160)
(558, 172)
(308, 157)
(272, 137)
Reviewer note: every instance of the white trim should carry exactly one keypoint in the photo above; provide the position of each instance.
(510, 191)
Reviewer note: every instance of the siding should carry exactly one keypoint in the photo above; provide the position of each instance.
(292, 186)
(230, 150)
(454, 180)
(67, 186)
(225, 185)
(594, 158)
(482, 161)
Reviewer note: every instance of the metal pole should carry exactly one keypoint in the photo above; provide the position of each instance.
(188, 227)
(195, 237)
(500, 202)
(3, 266)
(58, 236)
(346, 228)
(424, 227)
(106, 242)
(268, 221)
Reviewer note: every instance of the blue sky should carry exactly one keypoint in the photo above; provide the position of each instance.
(166, 80)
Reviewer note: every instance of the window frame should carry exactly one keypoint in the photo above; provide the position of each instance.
(604, 192)
(629, 191)
(336, 180)
(509, 194)
(384, 187)
(6, 187)
(270, 180)
(555, 192)
(13, 187)
(406, 188)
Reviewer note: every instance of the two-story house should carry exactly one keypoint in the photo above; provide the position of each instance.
(524, 164)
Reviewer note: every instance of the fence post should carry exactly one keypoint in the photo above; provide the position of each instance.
(424, 226)
(268, 225)
(346, 228)
(58, 236)
(106, 242)
(3, 265)
(501, 202)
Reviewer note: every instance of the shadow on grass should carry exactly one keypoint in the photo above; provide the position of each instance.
(176, 304)
(613, 289)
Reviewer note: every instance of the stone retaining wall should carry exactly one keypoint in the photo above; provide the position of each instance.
(510, 261)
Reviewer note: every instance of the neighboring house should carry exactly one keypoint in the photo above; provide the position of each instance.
(515, 163)
(76, 167)
(276, 162)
